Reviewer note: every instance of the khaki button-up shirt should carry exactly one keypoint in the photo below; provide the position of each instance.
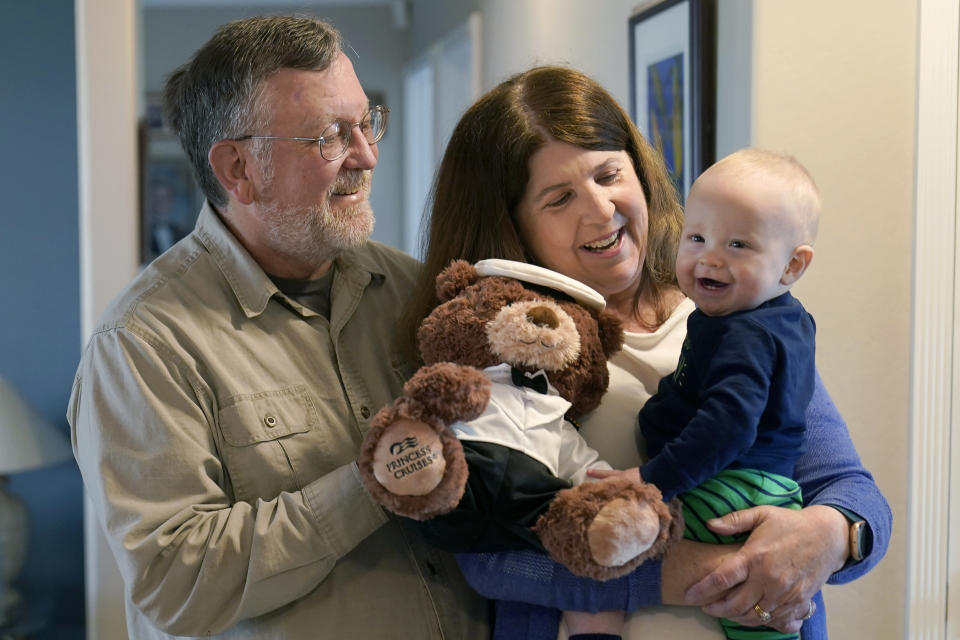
(216, 422)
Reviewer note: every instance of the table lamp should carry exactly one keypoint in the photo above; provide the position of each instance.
(27, 441)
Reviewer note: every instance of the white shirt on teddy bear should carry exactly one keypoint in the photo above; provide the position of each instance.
(531, 422)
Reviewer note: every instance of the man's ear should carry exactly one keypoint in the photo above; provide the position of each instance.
(799, 261)
(228, 159)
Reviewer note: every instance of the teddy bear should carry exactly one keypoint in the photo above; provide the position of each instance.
(482, 447)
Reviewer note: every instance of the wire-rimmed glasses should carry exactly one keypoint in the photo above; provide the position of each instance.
(335, 139)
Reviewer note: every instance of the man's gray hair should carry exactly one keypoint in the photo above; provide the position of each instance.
(216, 94)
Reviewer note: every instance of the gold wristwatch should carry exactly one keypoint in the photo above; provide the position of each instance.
(860, 540)
(858, 532)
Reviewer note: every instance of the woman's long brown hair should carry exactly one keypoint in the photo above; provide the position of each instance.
(485, 169)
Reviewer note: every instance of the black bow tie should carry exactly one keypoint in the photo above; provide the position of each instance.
(535, 381)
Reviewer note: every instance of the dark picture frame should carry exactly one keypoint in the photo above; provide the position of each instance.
(169, 196)
(673, 52)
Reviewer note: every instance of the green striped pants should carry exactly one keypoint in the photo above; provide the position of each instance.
(728, 491)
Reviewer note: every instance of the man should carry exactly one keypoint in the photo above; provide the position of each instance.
(220, 403)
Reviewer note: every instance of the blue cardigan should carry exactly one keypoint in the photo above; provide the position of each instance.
(530, 589)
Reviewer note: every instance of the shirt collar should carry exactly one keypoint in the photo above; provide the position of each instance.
(249, 283)
(502, 373)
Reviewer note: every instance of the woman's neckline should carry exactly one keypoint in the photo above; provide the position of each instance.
(673, 299)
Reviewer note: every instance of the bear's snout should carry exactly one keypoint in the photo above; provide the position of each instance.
(534, 333)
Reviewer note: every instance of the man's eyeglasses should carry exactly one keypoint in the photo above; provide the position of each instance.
(335, 139)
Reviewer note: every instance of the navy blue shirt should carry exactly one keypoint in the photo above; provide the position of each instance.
(737, 398)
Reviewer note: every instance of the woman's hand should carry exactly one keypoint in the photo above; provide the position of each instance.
(785, 561)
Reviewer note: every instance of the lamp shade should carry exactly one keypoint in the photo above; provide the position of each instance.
(27, 441)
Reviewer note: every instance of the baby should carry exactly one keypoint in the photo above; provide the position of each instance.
(725, 428)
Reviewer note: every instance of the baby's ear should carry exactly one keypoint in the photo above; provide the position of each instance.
(799, 261)
(610, 329)
(458, 275)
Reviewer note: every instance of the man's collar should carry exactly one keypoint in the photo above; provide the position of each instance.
(250, 284)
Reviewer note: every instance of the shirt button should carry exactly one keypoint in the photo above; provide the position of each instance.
(270, 421)
(364, 412)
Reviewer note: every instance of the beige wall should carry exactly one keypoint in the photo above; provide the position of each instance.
(519, 34)
(838, 91)
(834, 84)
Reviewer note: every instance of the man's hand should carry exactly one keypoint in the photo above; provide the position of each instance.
(785, 561)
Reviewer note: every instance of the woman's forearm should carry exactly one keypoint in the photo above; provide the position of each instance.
(531, 577)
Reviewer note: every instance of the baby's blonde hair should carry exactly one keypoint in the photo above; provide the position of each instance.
(804, 196)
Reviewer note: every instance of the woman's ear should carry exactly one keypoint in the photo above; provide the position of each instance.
(799, 261)
(228, 159)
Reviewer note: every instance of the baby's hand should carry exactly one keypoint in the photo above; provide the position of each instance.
(600, 474)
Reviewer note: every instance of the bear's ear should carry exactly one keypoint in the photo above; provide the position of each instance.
(610, 329)
(458, 275)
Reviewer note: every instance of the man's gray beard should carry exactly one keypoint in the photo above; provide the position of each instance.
(313, 235)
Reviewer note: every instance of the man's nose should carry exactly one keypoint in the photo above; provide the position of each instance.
(360, 153)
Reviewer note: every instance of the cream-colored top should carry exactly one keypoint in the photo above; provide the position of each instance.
(611, 428)
(635, 373)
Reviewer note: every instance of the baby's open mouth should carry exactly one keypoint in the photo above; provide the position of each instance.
(707, 283)
(605, 243)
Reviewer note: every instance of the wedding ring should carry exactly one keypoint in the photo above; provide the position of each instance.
(810, 610)
(765, 616)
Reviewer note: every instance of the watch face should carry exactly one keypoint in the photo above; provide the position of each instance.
(857, 530)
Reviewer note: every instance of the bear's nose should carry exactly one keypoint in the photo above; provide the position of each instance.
(543, 317)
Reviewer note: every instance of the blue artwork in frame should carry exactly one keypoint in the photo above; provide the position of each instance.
(673, 83)
(667, 127)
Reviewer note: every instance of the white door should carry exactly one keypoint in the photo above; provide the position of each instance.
(933, 610)
(437, 88)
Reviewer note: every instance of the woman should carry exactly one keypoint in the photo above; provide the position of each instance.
(548, 169)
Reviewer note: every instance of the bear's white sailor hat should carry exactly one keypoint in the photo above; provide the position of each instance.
(545, 277)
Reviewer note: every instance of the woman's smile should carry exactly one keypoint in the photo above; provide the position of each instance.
(608, 244)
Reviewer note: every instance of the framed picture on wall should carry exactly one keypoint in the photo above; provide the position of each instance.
(673, 83)
(170, 198)
(170, 207)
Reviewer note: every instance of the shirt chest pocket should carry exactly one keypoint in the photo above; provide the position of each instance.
(259, 430)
